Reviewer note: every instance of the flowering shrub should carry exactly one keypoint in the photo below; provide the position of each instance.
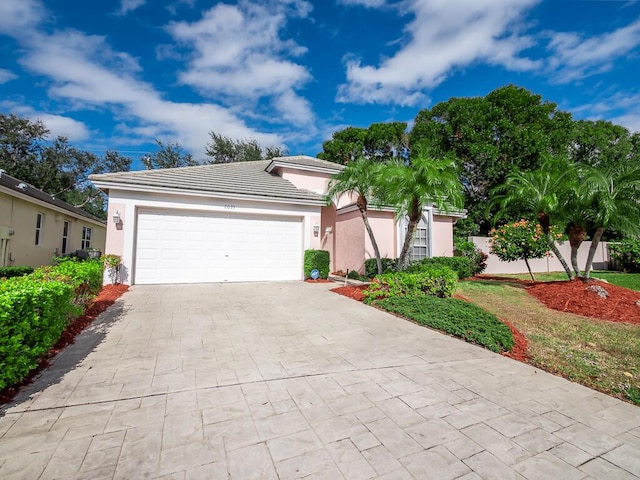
(521, 240)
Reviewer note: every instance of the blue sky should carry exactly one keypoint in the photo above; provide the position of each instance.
(119, 74)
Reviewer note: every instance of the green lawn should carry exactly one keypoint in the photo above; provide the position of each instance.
(627, 280)
(599, 354)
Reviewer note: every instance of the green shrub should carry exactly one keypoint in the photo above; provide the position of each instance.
(477, 257)
(371, 266)
(460, 265)
(356, 276)
(441, 282)
(85, 277)
(627, 254)
(33, 315)
(455, 317)
(316, 259)
(15, 271)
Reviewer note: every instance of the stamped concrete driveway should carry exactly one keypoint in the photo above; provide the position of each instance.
(288, 380)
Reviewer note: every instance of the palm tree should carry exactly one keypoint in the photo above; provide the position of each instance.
(614, 201)
(359, 177)
(426, 179)
(542, 192)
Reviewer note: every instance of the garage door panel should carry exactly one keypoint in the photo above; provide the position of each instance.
(196, 247)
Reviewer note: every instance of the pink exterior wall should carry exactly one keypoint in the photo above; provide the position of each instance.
(385, 230)
(314, 181)
(442, 245)
(350, 248)
(328, 241)
(115, 233)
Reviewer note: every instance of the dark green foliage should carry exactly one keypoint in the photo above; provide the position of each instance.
(477, 258)
(15, 271)
(441, 282)
(223, 149)
(371, 266)
(168, 156)
(35, 309)
(354, 275)
(316, 259)
(33, 315)
(626, 254)
(455, 317)
(460, 265)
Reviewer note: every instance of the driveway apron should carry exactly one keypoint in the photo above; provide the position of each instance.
(288, 380)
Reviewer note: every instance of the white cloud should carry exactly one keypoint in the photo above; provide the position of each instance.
(364, 3)
(127, 6)
(575, 57)
(58, 125)
(620, 108)
(18, 15)
(86, 73)
(443, 35)
(6, 75)
(237, 52)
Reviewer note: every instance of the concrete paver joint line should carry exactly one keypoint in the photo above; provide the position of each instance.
(288, 380)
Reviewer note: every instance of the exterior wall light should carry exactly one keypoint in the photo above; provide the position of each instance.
(116, 217)
(316, 230)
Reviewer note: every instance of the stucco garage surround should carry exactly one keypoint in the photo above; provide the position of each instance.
(184, 246)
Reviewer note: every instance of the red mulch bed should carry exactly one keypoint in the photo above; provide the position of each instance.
(573, 296)
(107, 296)
(320, 280)
(351, 292)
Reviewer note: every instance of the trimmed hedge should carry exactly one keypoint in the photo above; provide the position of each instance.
(35, 310)
(371, 266)
(33, 315)
(455, 317)
(440, 282)
(316, 259)
(460, 265)
(15, 271)
(627, 254)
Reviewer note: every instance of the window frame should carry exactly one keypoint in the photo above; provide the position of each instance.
(85, 243)
(39, 228)
(66, 228)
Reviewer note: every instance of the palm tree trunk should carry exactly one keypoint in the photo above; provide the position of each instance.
(376, 250)
(592, 251)
(576, 237)
(556, 252)
(526, 261)
(408, 242)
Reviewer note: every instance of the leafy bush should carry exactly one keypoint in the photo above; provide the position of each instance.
(33, 315)
(356, 276)
(455, 317)
(460, 265)
(316, 259)
(371, 266)
(15, 271)
(627, 254)
(441, 282)
(85, 277)
(476, 256)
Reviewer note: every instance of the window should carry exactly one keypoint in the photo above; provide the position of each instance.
(39, 223)
(65, 237)
(86, 238)
(421, 244)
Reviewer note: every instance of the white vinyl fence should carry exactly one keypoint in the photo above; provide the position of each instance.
(601, 261)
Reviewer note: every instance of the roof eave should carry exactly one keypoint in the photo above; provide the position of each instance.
(106, 186)
(308, 168)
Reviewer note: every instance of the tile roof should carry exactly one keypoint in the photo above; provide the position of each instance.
(240, 178)
(304, 160)
(24, 188)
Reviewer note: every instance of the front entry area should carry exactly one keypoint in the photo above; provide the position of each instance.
(176, 246)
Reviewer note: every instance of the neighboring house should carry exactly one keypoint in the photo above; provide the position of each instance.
(248, 221)
(35, 227)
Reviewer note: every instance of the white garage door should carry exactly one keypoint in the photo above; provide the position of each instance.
(194, 247)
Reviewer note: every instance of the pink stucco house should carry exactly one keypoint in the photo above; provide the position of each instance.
(249, 221)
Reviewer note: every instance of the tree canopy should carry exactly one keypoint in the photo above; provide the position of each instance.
(54, 166)
(223, 149)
